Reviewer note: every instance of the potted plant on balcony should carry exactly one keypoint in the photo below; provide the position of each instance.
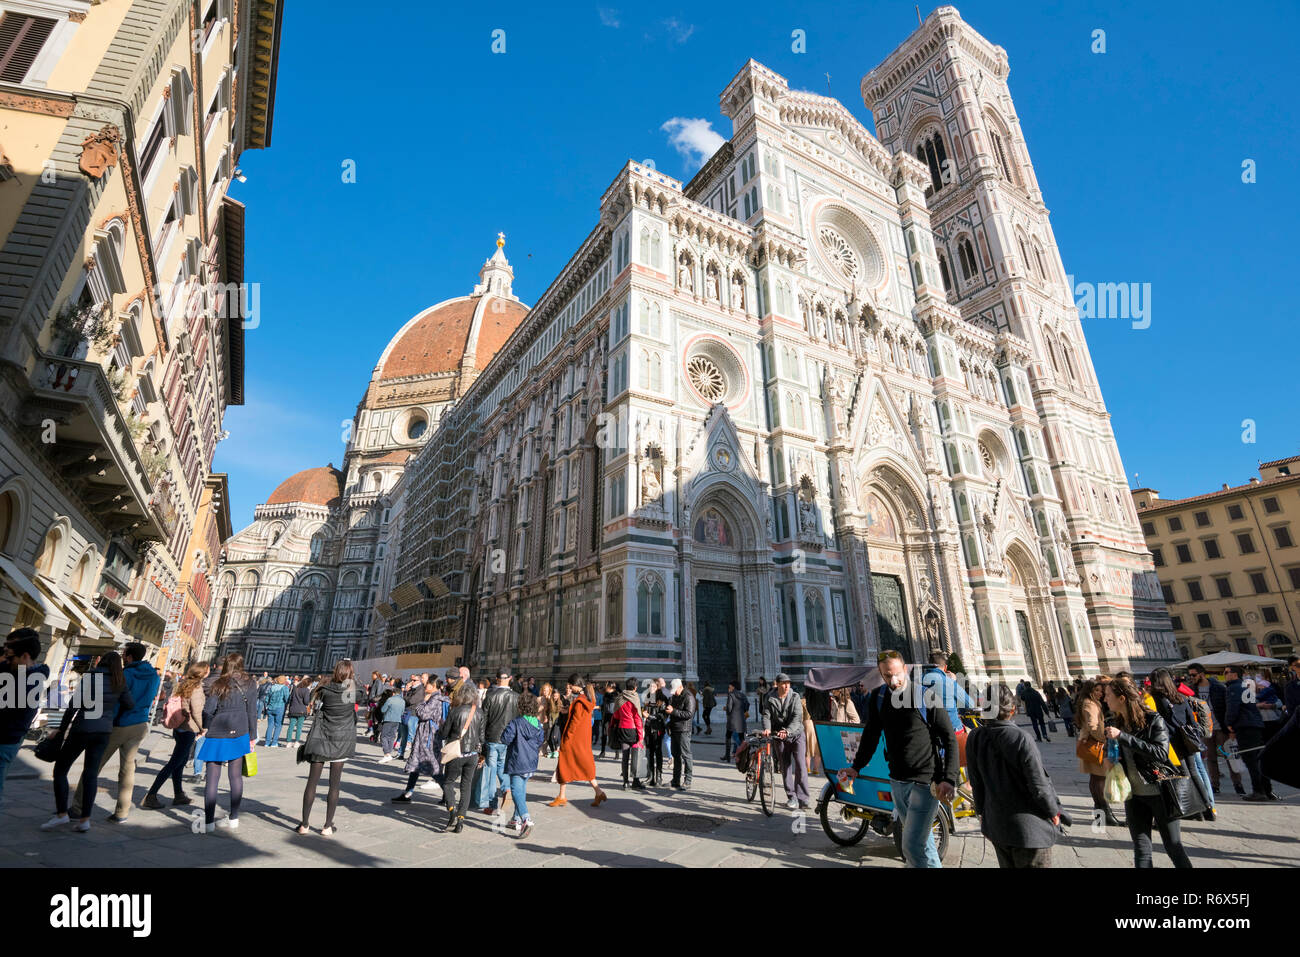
(77, 323)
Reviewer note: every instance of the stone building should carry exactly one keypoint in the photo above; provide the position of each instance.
(122, 304)
(1229, 564)
(298, 588)
(828, 397)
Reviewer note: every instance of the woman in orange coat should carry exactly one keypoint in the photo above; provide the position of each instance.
(576, 760)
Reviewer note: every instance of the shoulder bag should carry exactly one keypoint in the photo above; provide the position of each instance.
(48, 748)
(451, 750)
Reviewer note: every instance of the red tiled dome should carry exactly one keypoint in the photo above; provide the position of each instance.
(435, 341)
(318, 486)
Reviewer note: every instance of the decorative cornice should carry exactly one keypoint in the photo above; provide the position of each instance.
(48, 105)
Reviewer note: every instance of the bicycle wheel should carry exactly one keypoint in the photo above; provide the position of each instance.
(751, 782)
(766, 785)
(939, 832)
(842, 828)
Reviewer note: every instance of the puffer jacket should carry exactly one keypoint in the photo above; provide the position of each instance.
(333, 735)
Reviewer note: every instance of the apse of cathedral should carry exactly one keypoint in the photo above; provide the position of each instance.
(830, 396)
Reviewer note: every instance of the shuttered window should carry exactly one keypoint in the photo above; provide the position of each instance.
(21, 39)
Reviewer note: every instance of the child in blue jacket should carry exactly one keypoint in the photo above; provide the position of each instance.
(523, 740)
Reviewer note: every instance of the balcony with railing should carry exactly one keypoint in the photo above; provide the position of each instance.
(90, 443)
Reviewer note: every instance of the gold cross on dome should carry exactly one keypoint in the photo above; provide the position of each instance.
(501, 240)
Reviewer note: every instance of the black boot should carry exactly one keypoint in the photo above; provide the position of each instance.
(1111, 819)
(460, 825)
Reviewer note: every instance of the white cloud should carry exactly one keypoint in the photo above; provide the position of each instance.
(695, 139)
(681, 32)
(609, 17)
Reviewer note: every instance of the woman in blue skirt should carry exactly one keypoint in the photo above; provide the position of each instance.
(230, 716)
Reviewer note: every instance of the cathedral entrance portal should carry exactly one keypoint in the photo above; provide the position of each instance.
(715, 633)
(891, 615)
(1026, 645)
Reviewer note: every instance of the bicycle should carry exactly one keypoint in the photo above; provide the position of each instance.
(761, 775)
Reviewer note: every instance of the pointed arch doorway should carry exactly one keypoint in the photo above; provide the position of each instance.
(716, 648)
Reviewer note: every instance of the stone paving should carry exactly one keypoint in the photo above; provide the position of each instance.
(632, 829)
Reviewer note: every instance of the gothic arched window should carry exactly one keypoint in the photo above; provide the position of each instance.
(966, 254)
(815, 615)
(650, 607)
(614, 606)
(943, 273)
(305, 616)
(930, 151)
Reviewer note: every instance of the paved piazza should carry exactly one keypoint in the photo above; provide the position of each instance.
(630, 830)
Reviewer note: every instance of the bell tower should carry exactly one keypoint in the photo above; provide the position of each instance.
(943, 98)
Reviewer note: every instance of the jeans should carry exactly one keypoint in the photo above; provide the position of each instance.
(1249, 741)
(1212, 759)
(274, 722)
(1140, 815)
(409, 723)
(7, 754)
(792, 760)
(294, 732)
(682, 757)
(1198, 767)
(94, 744)
(458, 789)
(914, 806)
(519, 794)
(198, 765)
(175, 765)
(125, 743)
(492, 782)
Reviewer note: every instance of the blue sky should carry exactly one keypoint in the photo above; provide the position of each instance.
(1138, 151)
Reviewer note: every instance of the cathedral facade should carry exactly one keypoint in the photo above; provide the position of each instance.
(830, 396)
(298, 589)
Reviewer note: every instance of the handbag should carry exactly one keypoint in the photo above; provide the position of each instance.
(640, 763)
(1182, 797)
(250, 765)
(48, 748)
(451, 750)
(1090, 750)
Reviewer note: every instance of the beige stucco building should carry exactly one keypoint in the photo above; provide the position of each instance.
(122, 305)
(1229, 564)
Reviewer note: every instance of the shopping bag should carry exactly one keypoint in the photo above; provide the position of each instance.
(1117, 790)
(250, 764)
(640, 764)
(1231, 752)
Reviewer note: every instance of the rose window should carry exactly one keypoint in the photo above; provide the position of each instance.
(840, 252)
(706, 377)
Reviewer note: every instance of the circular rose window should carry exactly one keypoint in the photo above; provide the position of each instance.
(715, 372)
(846, 248)
(706, 377)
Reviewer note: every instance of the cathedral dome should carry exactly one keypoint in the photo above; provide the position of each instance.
(437, 340)
(318, 486)
(442, 338)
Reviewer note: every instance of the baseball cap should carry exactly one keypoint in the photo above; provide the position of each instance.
(782, 677)
(503, 673)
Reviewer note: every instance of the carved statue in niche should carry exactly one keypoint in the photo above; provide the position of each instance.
(684, 276)
(932, 628)
(711, 284)
(652, 489)
(807, 517)
(737, 292)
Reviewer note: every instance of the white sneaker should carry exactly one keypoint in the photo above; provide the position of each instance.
(82, 826)
(385, 759)
(230, 822)
(57, 821)
(430, 785)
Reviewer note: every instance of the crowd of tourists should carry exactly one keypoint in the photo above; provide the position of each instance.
(1151, 745)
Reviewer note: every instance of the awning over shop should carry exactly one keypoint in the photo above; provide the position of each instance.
(107, 627)
(24, 588)
(56, 594)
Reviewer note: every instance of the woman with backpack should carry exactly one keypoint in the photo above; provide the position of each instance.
(332, 740)
(523, 740)
(89, 736)
(183, 713)
(629, 732)
(230, 720)
(299, 708)
(1174, 704)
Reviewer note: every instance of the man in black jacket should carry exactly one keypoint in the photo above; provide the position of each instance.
(921, 749)
(681, 712)
(500, 707)
(1018, 807)
(1036, 708)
